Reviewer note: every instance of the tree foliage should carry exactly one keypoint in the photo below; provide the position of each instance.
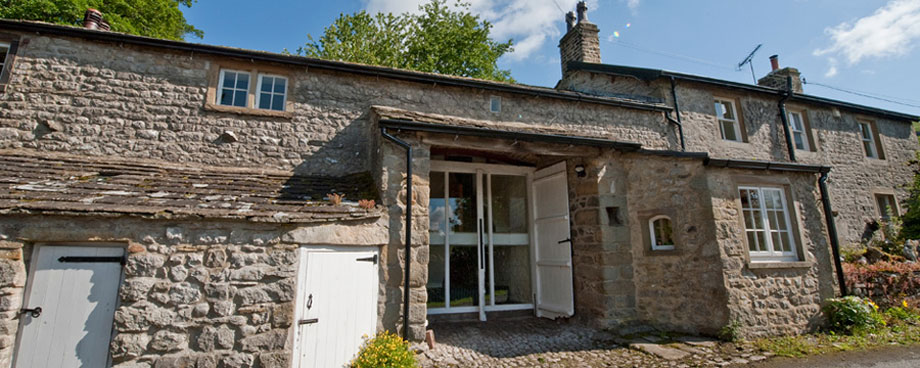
(152, 18)
(441, 39)
(910, 227)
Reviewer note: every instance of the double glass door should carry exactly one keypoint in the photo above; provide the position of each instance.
(480, 247)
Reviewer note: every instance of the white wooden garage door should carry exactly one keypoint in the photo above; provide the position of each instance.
(76, 288)
(337, 304)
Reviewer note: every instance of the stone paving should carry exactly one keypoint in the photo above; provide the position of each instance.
(531, 342)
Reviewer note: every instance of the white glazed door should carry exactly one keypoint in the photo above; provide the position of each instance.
(337, 305)
(76, 288)
(553, 251)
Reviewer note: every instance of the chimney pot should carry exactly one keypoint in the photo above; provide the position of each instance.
(569, 21)
(92, 18)
(582, 11)
(774, 62)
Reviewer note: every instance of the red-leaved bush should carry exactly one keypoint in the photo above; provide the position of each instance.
(886, 283)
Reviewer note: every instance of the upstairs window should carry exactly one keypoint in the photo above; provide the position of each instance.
(234, 88)
(870, 140)
(661, 232)
(887, 207)
(766, 224)
(729, 125)
(272, 92)
(799, 131)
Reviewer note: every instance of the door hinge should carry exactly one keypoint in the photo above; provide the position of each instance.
(81, 259)
(368, 259)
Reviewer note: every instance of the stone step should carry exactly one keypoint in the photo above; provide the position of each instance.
(660, 351)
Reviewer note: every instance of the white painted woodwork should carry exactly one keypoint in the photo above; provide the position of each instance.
(78, 303)
(555, 297)
(344, 302)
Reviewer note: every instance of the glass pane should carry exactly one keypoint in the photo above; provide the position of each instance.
(462, 203)
(752, 242)
(799, 143)
(267, 84)
(781, 221)
(278, 102)
(229, 79)
(436, 276)
(226, 97)
(509, 204)
(777, 244)
(437, 213)
(771, 217)
(3, 51)
(865, 131)
(761, 241)
(758, 219)
(280, 84)
(239, 99)
(745, 201)
(512, 275)
(663, 232)
(464, 282)
(719, 111)
(755, 199)
(242, 81)
(748, 219)
(867, 145)
(796, 122)
(265, 101)
(785, 238)
(728, 131)
(769, 199)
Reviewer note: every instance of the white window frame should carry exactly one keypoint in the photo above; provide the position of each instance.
(272, 93)
(220, 88)
(736, 122)
(654, 238)
(893, 205)
(870, 139)
(799, 130)
(772, 253)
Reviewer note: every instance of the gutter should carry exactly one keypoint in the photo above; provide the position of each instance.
(785, 118)
(680, 125)
(403, 144)
(832, 232)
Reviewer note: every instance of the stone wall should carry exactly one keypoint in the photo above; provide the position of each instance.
(778, 299)
(204, 293)
(71, 95)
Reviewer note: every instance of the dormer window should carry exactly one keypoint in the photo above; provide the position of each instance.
(241, 88)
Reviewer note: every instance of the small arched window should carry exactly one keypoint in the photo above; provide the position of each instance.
(662, 233)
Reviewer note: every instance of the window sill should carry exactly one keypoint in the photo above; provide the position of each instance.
(754, 265)
(248, 111)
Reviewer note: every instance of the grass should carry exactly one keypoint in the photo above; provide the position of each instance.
(898, 332)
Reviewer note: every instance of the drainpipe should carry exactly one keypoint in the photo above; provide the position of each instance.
(832, 230)
(785, 117)
(680, 125)
(408, 148)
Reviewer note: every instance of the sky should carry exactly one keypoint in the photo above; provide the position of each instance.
(866, 47)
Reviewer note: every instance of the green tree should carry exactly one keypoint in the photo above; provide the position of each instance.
(152, 18)
(440, 39)
(910, 226)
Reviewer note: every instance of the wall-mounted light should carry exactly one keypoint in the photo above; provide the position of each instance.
(580, 171)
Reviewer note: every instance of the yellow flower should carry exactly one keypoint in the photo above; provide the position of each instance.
(904, 303)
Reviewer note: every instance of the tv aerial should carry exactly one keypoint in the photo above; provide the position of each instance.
(747, 61)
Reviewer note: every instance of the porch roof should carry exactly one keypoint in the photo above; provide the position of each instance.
(36, 182)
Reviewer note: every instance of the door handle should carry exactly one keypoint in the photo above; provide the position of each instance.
(308, 321)
(569, 240)
(34, 312)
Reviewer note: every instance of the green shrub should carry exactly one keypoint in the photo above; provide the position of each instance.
(852, 313)
(385, 350)
(903, 313)
(731, 331)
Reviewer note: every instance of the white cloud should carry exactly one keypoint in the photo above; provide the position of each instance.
(891, 31)
(633, 6)
(832, 69)
(530, 23)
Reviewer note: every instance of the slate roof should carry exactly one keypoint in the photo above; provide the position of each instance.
(33, 182)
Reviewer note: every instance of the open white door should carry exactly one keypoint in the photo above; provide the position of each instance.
(67, 316)
(553, 245)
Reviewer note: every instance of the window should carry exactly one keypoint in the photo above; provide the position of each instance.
(272, 92)
(662, 233)
(799, 133)
(887, 207)
(766, 224)
(234, 88)
(870, 141)
(4, 49)
(728, 120)
(495, 104)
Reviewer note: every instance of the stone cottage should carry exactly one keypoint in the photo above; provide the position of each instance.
(172, 204)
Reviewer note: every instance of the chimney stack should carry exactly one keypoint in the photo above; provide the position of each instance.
(581, 42)
(777, 77)
(92, 19)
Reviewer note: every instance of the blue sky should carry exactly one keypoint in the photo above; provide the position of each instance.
(866, 46)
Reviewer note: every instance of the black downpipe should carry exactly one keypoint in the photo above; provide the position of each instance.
(785, 117)
(832, 232)
(680, 125)
(408, 148)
